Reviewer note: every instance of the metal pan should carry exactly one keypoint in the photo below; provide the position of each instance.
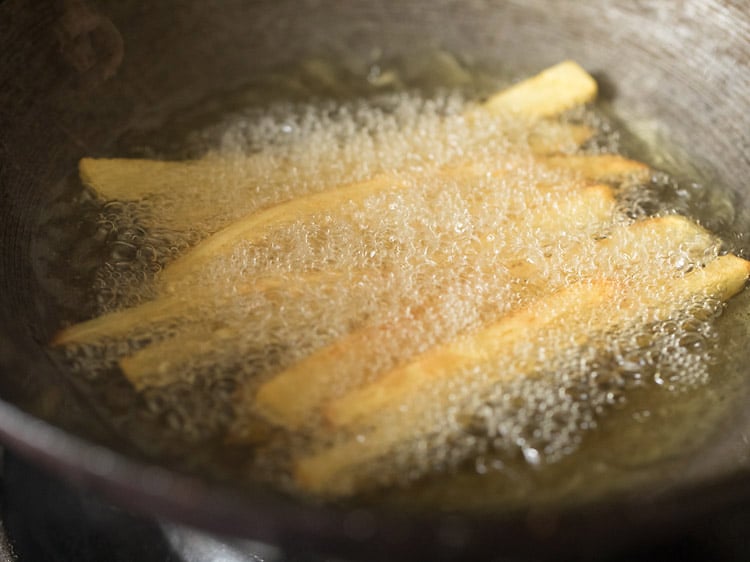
(75, 76)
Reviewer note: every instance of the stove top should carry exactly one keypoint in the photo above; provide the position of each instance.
(44, 519)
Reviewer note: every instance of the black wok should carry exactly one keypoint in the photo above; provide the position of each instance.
(76, 76)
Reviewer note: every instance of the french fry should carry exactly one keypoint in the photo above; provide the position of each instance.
(256, 226)
(320, 374)
(578, 310)
(552, 91)
(129, 321)
(559, 137)
(164, 362)
(643, 242)
(129, 179)
(601, 168)
(117, 179)
(588, 210)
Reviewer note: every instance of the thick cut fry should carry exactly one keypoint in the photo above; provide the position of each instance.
(165, 362)
(587, 211)
(321, 375)
(129, 179)
(559, 137)
(280, 398)
(115, 179)
(256, 226)
(601, 167)
(552, 91)
(360, 404)
(163, 309)
(579, 309)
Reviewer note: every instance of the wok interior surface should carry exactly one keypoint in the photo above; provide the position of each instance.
(65, 94)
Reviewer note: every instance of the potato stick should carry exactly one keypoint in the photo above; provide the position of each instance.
(579, 308)
(163, 309)
(163, 362)
(256, 226)
(590, 209)
(320, 375)
(331, 471)
(601, 167)
(559, 137)
(280, 398)
(552, 91)
(120, 323)
(632, 244)
(114, 179)
(670, 234)
(136, 178)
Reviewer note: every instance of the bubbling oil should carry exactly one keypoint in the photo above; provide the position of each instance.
(431, 261)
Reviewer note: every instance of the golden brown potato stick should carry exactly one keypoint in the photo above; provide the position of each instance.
(328, 472)
(580, 309)
(552, 91)
(163, 309)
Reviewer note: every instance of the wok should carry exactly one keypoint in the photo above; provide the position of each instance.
(76, 76)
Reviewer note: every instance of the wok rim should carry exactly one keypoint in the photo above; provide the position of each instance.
(153, 490)
(157, 492)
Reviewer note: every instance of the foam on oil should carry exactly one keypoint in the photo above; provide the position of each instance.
(438, 257)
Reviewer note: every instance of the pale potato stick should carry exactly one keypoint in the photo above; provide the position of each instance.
(656, 235)
(334, 471)
(129, 179)
(331, 471)
(162, 368)
(256, 226)
(559, 137)
(135, 178)
(611, 168)
(652, 240)
(552, 91)
(281, 401)
(600, 167)
(588, 210)
(280, 398)
(162, 309)
(163, 362)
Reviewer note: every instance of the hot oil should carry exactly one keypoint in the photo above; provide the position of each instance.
(421, 259)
